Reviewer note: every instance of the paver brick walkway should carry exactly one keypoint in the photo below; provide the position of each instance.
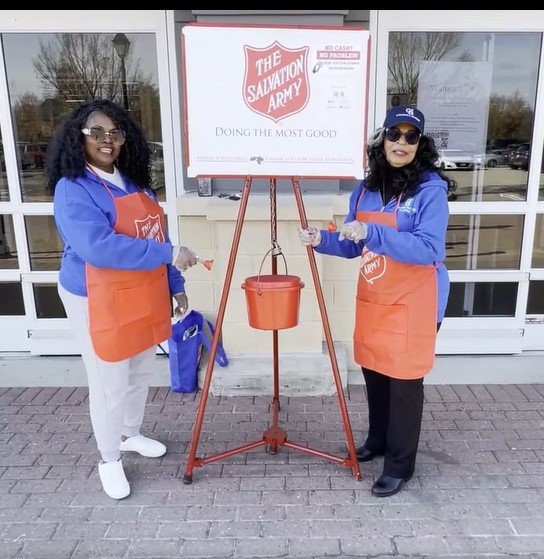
(478, 489)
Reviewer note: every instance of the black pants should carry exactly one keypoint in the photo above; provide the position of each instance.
(395, 411)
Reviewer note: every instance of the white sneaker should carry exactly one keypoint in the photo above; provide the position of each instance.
(114, 481)
(144, 446)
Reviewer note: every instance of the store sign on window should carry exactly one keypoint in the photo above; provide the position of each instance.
(454, 97)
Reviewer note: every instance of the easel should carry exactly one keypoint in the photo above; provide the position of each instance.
(274, 436)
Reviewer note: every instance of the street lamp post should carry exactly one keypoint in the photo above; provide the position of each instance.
(122, 46)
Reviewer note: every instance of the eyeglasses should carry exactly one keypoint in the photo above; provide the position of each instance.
(394, 135)
(116, 136)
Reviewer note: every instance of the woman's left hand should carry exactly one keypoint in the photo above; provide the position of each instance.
(182, 304)
(354, 231)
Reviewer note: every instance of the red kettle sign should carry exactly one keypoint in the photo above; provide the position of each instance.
(276, 80)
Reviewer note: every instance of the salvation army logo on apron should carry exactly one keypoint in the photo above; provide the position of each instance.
(149, 228)
(372, 265)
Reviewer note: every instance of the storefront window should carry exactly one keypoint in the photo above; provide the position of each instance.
(478, 93)
(484, 242)
(482, 299)
(48, 74)
(538, 245)
(535, 301)
(44, 243)
(8, 250)
(48, 303)
(11, 299)
(4, 192)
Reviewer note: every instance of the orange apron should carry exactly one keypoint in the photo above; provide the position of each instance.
(129, 310)
(396, 311)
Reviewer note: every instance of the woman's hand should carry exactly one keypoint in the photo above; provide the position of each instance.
(183, 258)
(182, 304)
(311, 236)
(354, 231)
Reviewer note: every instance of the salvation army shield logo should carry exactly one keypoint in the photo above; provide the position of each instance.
(150, 228)
(276, 80)
(372, 265)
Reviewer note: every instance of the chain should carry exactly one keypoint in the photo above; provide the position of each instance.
(273, 217)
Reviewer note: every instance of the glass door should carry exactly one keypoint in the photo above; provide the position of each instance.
(477, 81)
(48, 64)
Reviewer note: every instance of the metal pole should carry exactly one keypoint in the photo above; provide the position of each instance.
(124, 84)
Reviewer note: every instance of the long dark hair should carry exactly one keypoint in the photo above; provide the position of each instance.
(403, 179)
(66, 155)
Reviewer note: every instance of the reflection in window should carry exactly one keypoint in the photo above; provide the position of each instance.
(4, 192)
(49, 73)
(535, 302)
(478, 94)
(11, 299)
(48, 303)
(484, 242)
(541, 180)
(44, 243)
(8, 250)
(538, 245)
(482, 299)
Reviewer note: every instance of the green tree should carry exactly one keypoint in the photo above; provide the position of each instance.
(510, 117)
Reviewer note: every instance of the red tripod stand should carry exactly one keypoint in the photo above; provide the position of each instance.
(274, 436)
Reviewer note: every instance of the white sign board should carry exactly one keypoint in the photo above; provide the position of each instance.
(275, 101)
(454, 97)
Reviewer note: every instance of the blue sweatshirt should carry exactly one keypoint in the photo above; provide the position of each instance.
(85, 216)
(422, 221)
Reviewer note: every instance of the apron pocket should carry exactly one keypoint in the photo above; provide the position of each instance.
(142, 302)
(381, 328)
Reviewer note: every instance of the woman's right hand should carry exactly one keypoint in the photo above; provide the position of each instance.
(183, 258)
(311, 236)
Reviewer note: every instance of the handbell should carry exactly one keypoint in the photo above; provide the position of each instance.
(208, 264)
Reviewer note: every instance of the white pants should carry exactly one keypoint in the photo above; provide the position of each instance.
(117, 391)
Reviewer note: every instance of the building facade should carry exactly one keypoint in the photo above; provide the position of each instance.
(477, 78)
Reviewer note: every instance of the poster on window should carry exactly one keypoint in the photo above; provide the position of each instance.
(454, 97)
(274, 101)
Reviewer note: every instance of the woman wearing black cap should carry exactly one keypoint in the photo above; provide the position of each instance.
(396, 224)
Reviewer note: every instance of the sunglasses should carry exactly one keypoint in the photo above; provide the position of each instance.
(116, 136)
(394, 135)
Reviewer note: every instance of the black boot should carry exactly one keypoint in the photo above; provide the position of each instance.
(366, 455)
(385, 486)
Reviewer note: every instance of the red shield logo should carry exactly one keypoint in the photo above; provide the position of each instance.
(150, 228)
(276, 80)
(372, 265)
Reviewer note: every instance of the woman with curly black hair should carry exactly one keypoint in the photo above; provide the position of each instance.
(118, 273)
(396, 223)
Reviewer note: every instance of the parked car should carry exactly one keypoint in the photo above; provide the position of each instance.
(32, 155)
(461, 159)
(455, 159)
(519, 158)
(37, 150)
(493, 158)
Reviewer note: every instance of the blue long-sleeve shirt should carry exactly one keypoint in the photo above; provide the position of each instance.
(420, 237)
(85, 216)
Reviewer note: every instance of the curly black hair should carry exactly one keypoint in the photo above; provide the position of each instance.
(403, 179)
(66, 155)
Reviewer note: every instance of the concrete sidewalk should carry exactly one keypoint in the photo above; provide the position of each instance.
(478, 489)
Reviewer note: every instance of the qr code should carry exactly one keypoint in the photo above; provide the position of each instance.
(440, 138)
